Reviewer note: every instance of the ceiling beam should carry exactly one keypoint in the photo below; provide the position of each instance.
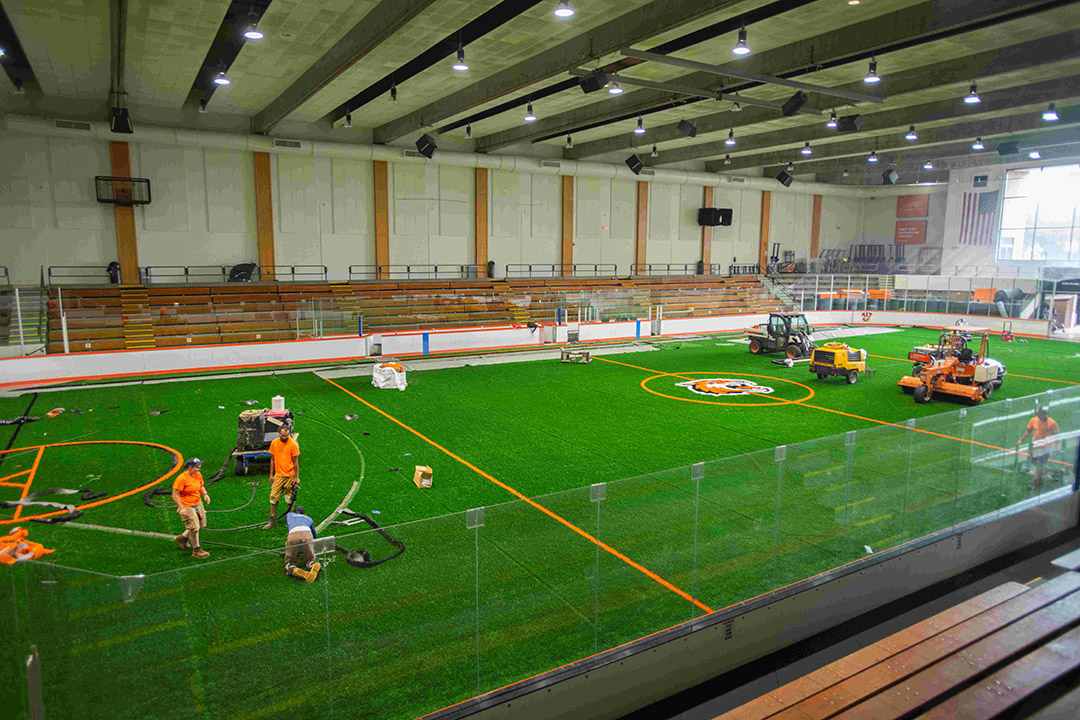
(861, 144)
(912, 26)
(645, 22)
(896, 120)
(729, 71)
(380, 23)
(980, 65)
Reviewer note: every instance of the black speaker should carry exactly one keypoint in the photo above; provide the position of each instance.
(120, 122)
(849, 123)
(712, 217)
(1008, 148)
(594, 82)
(889, 177)
(784, 178)
(687, 129)
(426, 145)
(794, 104)
(634, 163)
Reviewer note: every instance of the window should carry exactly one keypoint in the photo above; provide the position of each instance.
(1040, 220)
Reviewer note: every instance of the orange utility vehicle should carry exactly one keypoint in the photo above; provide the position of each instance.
(952, 368)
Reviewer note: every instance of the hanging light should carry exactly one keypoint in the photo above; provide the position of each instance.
(348, 119)
(563, 9)
(640, 129)
(253, 32)
(727, 159)
(832, 120)
(978, 144)
(872, 78)
(460, 65)
(569, 143)
(737, 107)
(928, 165)
(3, 52)
(221, 78)
(873, 156)
(730, 137)
(846, 172)
(468, 131)
(614, 89)
(911, 134)
(741, 48)
(1050, 115)
(806, 149)
(529, 115)
(790, 167)
(972, 98)
(655, 152)
(1035, 155)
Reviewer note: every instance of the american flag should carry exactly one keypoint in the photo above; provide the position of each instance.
(979, 218)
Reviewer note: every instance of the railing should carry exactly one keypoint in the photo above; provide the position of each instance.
(744, 269)
(417, 272)
(530, 270)
(675, 269)
(5, 279)
(221, 273)
(81, 274)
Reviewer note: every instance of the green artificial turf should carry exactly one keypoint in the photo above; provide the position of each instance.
(469, 609)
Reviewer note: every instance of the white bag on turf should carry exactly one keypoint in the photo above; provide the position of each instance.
(388, 375)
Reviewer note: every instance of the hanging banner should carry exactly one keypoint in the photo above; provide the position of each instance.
(910, 232)
(912, 206)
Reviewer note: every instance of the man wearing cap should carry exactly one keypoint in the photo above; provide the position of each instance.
(189, 494)
(1042, 428)
(284, 471)
(301, 534)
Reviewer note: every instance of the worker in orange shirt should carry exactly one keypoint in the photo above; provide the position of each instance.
(189, 494)
(1042, 430)
(284, 471)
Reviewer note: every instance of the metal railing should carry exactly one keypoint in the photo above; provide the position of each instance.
(81, 274)
(221, 273)
(417, 272)
(5, 278)
(676, 269)
(530, 270)
(744, 269)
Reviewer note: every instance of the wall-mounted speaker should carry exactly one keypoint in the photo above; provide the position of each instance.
(794, 104)
(712, 217)
(686, 128)
(426, 145)
(1008, 148)
(889, 177)
(594, 82)
(849, 123)
(784, 178)
(634, 163)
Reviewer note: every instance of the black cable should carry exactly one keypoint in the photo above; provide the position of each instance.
(11, 442)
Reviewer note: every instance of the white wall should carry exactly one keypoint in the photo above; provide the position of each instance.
(737, 243)
(431, 215)
(525, 222)
(604, 222)
(872, 221)
(790, 217)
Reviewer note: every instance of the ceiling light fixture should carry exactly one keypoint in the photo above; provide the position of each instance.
(640, 129)
(832, 120)
(737, 107)
(790, 167)
(1050, 115)
(851, 2)
(569, 143)
(468, 131)
(253, 32)
(727, 159)
(202, 106)
(873, 156)
(348, 119)
(928, 165)
(614, 89)
(846, 172)
(3, 52)
(529, 115)
(806, 149)
(460, 65)
(972, 98)
(1035, 155)
(741, 48)
(563, 9)
(911, 134)
(872, 78)
(730, 137)
(655, 152)
(978, 144)
(393, 93)
(221, 78)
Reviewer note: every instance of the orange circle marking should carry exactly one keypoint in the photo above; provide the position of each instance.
(778, 401)
(178, 459)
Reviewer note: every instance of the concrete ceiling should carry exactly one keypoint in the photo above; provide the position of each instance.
(315, 58)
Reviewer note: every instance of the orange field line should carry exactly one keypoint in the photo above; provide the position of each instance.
(3, 480)
(1011, 374)
(607, 548)
(29, 479)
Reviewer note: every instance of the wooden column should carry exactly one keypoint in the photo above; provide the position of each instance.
(481, 209)
(127, 245)
(763, 244)
(641, 228)
(382, 219)
(566, 257)
(264, 215)
(815, 228)
(706, 231)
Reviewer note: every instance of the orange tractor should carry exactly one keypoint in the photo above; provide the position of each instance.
(951, 368)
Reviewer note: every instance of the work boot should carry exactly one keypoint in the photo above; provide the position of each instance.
(270, 523)
(199, 553)
(181, 541)
(313, 571)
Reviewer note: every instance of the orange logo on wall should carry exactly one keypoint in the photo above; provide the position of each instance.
(722, 386)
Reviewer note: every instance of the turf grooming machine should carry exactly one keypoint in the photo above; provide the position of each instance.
(257, 429)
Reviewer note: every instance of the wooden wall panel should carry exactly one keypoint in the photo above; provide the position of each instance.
(382, 215)
(706, 231)
(641, 229)
(127, 244)
(481, 208)
(763, 243)
(264, 215)
(566, 256)
(815, 227)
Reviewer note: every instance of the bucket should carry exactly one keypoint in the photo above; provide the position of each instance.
(277, 403)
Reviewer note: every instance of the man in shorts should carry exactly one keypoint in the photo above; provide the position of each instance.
(1042, 430)
(301, 534)
(284, 471)
(189, 494)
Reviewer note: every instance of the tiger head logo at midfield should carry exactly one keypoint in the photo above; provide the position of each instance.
(723, 386)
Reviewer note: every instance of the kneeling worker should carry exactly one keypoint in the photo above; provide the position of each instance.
(301, 534)
(284, 471)
(186, 492)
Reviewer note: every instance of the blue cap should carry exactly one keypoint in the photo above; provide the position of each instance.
(192, 462)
